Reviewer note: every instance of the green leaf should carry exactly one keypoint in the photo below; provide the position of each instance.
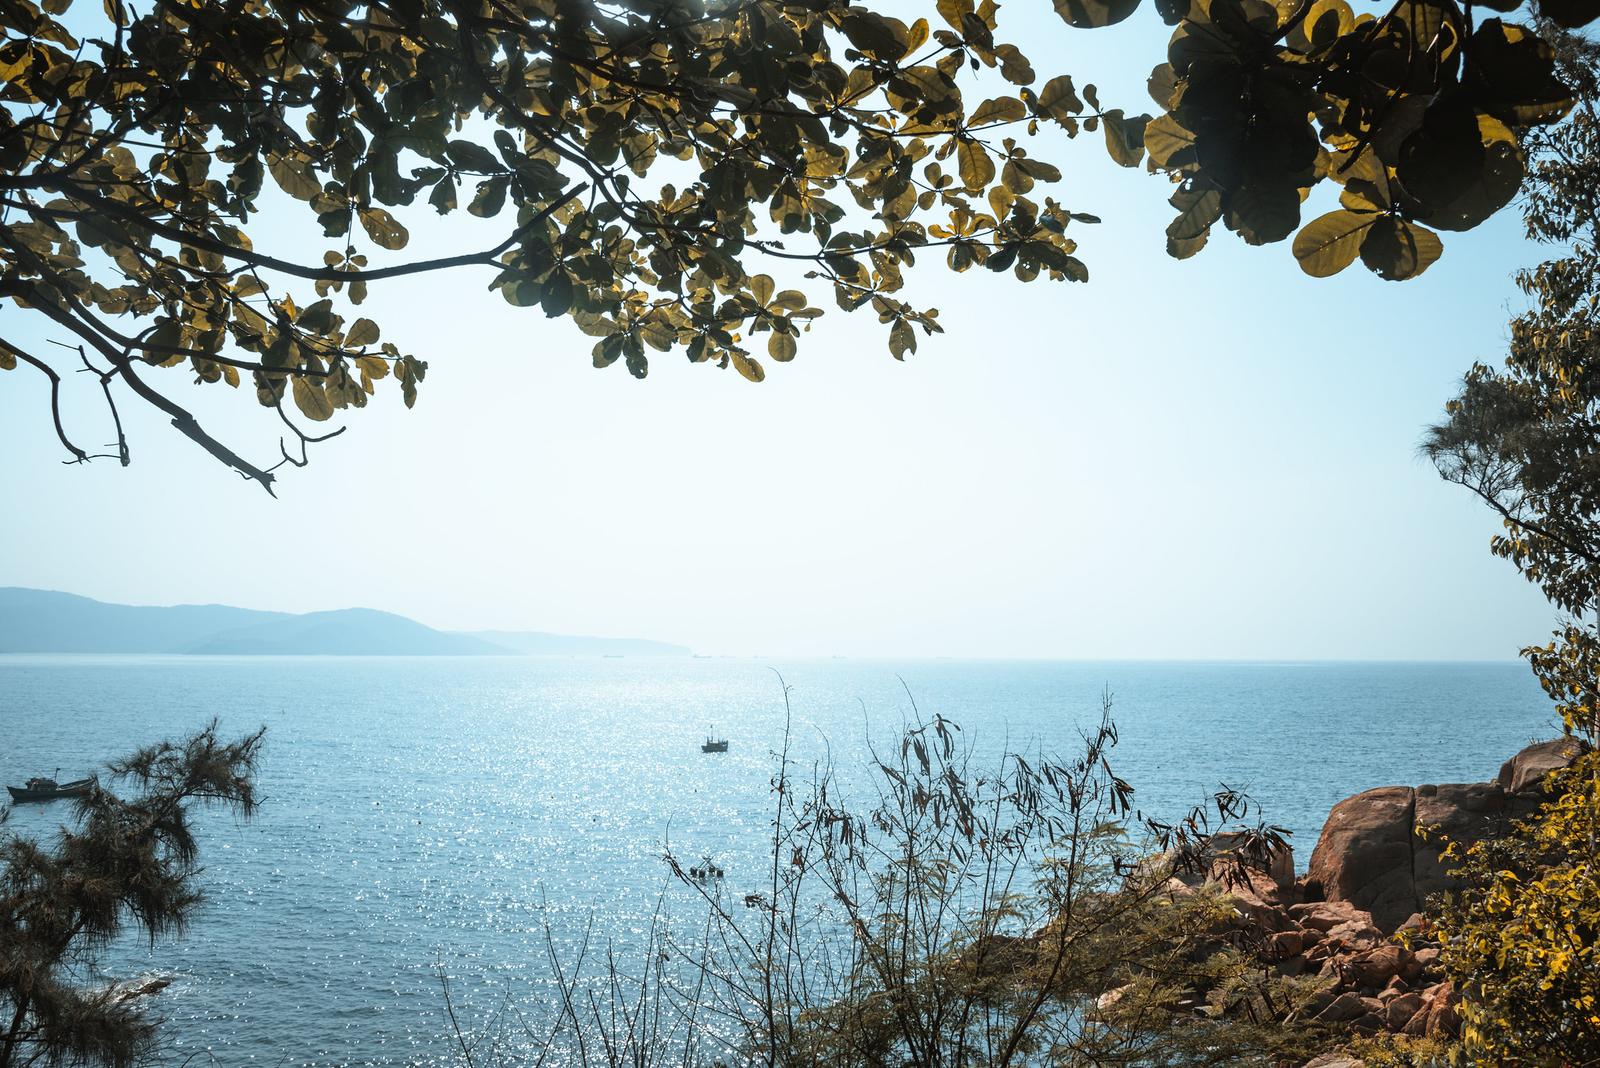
(1460, 165)
(1264, 214)
(1093, 14)
(1511, 75)
(902, 339)
(1197, 210)
(556, 298)
(1125, 137)
(443, 197)
(316, 318)
(1397, 250)
(1181, 248)
(781, 347)
(1327, 245)
(1059, 98)
(1161, 85)
(362, 332)
(999, 109)
(977, 169)
(1169, 142)
(1570, 14)
(874, 35)
(470, 156)
(747, 367)
(294, 176)
(490, 198)
(311, 399)
(384, 229)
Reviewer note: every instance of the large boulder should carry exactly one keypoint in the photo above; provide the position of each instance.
(1380, 850)
(1453, 812)
(1523, 772)
(1364, 854)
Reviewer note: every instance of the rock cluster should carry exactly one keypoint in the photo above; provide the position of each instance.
(1371, 983)
(1380, 849)
(1371, 873)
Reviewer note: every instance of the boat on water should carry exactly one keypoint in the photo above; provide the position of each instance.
(714, 745)
(42, 788)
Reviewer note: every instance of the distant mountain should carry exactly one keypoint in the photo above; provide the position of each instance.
(44, 621)
(535, 643)
(345, 632)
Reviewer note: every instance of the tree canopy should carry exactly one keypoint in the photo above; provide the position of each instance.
(648, 156)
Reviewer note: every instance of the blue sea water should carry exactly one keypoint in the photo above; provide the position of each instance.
(437, 815)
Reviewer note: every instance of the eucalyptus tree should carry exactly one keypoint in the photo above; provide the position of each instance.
(644, 158)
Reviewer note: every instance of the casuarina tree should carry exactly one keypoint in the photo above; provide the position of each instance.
(127, 866)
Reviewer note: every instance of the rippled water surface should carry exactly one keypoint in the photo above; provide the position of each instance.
(440, 813)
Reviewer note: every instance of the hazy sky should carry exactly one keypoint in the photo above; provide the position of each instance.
(1208, 459)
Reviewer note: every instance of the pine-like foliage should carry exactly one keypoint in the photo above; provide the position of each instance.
(128, 865)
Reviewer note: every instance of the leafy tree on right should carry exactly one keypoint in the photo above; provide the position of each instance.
(1523, 941)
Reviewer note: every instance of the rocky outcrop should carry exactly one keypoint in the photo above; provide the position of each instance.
(1379, 850)
(1356, 921)
(1522, 772)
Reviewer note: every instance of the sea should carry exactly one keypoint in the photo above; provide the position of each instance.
(453, 820)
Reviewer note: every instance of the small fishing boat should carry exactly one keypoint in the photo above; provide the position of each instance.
(40, 788)
(714, 745)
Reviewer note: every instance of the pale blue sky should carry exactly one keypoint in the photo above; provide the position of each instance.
(1207, 459)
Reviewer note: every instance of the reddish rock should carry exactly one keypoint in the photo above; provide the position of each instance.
(1436, 1018)
(1364, 854)
(1375, 967)
(1418, 926)
(1257, 906)
(1443, 1022)
(1370, 855)
(1399, 1011)
(1453, 812)
(1345, 1007)
(1524, 771)
(1285, 944)
(1279, 863)
(1368, 1025)
(1355, 934)
(1397, 986)
(1326, 915)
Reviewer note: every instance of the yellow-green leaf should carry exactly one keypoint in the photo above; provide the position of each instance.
(999, 109)
(1093, 14)
(1397, 250)
(310, 398)
(748, 367)
(1327, 245)
(384, 229)
(972, 159)
(781, 347)
(362, 332)
(902, 339)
